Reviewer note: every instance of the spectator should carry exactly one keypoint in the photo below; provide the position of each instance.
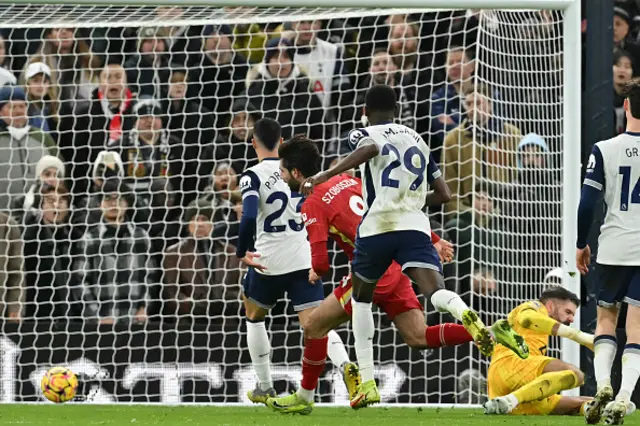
(534, 209)
(621, 37)
(114, 273)
(192, 133)
(6, 76)
(147, 153)
(235, 146)
(108, 118)
(49, 170)
(446, 105)
(250, 39)
(11, 267)
(21, 146)
(181, 41)
(165, 217)
(417, 75)
(481, 138)
(42, 103)
(324, 64)
(73, 66)
(622, 72)
(227, 199)
(282, 92)
(48, 237)
(479, 235)
(148, 71)
(202, 275)
(220, 74)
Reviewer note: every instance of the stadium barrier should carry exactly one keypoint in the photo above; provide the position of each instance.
(156, 364)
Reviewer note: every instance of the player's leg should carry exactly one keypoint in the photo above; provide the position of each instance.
(372, 257)
(556, 376)
(306, 297)
(420, 262)
(259, 350)
(614, 412)
(610, 292)
(417, 335)
(571, 405)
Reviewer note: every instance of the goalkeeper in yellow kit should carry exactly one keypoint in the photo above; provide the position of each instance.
(531, 386)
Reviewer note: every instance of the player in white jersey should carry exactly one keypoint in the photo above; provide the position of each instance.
(282, 257)
(396, 167)
(614, 169)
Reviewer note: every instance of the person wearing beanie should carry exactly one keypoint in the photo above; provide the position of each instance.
(23, 144)
(50, 170)
(621, 33)
(148, 71)
(118, 294)
(41, 97)
(199, 280)
(284, 93)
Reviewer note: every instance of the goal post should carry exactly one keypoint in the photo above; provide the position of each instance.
(519, 57)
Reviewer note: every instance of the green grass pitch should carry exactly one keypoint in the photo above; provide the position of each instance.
(131, 415)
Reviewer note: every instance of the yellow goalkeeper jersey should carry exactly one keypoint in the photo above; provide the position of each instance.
(537, 341)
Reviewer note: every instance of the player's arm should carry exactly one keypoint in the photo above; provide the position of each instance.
(441, 193)
(540, 322)
(592, 188)
(317, 225)
(249, 186)
(365, 149)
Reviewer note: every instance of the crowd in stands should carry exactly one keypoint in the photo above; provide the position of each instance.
(121, 149)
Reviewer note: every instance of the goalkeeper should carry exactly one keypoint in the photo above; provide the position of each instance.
(531, 386)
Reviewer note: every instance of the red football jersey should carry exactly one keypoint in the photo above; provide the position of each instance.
(334, 208)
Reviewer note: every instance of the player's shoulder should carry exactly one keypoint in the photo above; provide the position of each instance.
(536, 305)
(250, 179)
(617, 141)
(356, 135)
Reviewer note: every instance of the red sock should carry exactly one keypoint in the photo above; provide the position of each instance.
(447, 334)
(313, 360)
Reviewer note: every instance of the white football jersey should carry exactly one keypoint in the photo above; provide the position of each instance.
(614, 167)
(281, 238)
(395, 182)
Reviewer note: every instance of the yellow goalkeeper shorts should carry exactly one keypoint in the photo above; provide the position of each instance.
(511, 373)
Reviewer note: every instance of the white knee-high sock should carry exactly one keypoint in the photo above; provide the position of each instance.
(604, 349)
(260, 351)
(630, 372)
(447, 301)
(336, 351)
(363, 330)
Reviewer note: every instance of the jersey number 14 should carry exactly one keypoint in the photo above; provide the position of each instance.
(625, 171)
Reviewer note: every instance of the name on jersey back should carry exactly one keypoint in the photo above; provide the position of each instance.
(272, 180)
(337, 188)
(397, 131)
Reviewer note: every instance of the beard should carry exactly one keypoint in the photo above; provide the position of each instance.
(294, 185)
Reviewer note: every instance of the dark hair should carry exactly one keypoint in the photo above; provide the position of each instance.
(466, 52)
(300, 153)
(632, 93)
(267, 132)
(117, 186)
(560, 293)
(45, 189)
(381, 98)
(619, 54)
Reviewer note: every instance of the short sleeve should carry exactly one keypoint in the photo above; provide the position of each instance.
(249, 184)
(594, 176)
(359, 137)
(433, 172)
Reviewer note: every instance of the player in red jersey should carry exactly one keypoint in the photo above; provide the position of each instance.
(335, 209)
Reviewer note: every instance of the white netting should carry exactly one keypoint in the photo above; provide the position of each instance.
(163, 99)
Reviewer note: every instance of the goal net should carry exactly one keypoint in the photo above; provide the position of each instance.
(123, 133)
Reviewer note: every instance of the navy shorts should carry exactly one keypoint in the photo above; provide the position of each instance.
(266, 290)
(411, 249)
(616, 284)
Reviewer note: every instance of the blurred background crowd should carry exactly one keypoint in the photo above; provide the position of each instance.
(121, 149)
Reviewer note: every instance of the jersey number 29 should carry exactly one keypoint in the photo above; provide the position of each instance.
(268, 221)
(407, 161)
(625, 171)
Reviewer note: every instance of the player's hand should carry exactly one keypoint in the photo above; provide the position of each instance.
(583, 259)
(249, 260)
(307, 186)
(445, 250)
(313, 277)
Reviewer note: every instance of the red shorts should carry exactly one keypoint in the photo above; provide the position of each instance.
(393, 294)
